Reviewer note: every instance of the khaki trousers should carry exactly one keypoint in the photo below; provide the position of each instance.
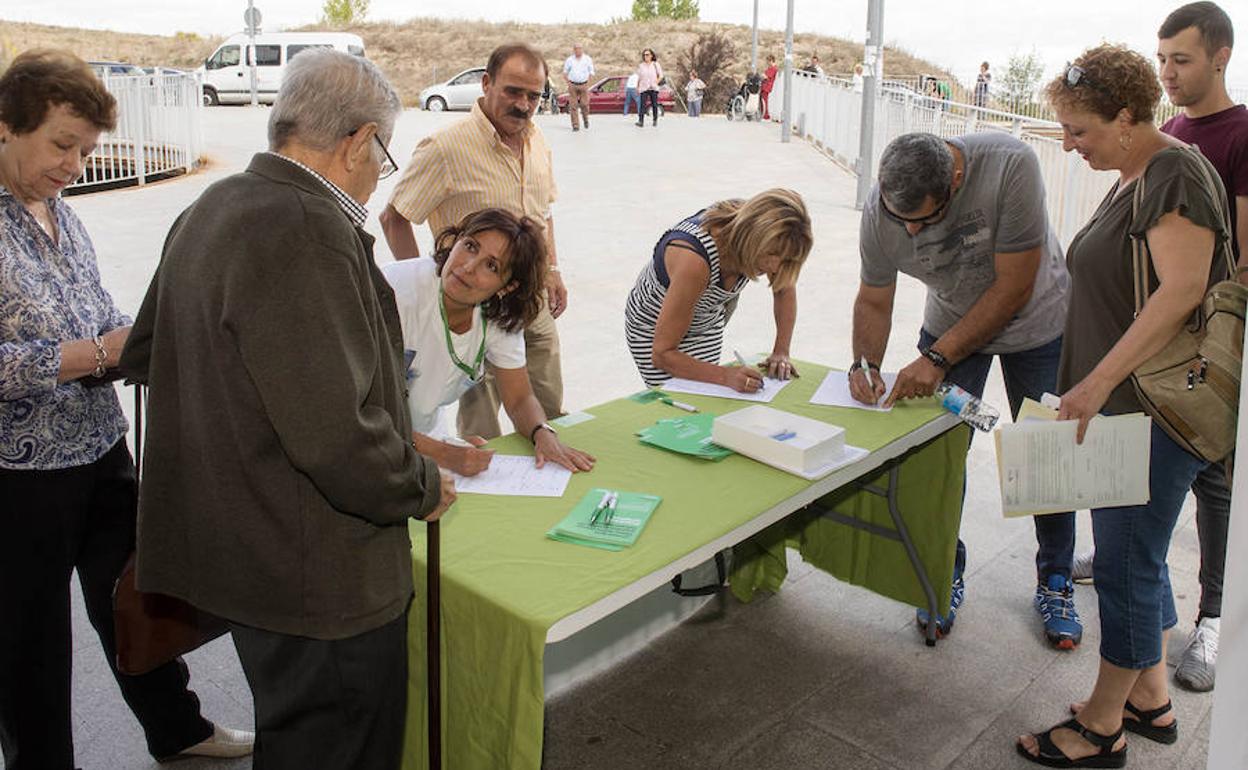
(578, 98)
(478, 408)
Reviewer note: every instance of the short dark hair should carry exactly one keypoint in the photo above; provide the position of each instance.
(1215, 27)
(914, 167)
(527, 248)
(503, 54)
(42, 78)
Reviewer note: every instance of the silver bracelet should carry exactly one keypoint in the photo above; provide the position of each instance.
(101, 355)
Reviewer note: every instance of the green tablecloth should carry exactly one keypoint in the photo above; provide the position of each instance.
(504, 583)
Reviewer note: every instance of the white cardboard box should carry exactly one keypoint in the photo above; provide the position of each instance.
(799, 445)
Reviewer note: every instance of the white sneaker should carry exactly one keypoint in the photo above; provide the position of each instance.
(223, 743)
(1081, 570)
(1196, 666)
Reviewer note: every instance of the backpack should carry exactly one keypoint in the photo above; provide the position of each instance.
(1191, 386)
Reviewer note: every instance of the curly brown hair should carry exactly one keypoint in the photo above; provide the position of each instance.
(42, 78)
(527, 240)
(1114, 77)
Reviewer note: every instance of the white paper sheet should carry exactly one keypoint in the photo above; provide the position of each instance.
(1043, 470)
(764, 396)
(834, 391)
(515, 475)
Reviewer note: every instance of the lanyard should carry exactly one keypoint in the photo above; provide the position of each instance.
(471, 371)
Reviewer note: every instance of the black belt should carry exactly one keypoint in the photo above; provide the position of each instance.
(573, 82)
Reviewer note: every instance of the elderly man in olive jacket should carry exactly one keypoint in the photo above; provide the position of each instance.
(280, 473)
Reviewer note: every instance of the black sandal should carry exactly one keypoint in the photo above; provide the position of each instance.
(1051, 756)
(1145, 727)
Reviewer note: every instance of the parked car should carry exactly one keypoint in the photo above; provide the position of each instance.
(107, 69)
(227, 73)
(458, 93)
(607, 95)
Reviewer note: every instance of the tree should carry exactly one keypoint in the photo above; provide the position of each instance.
(711, 55)
(1018, 85)
(666, 9)
(340, 13)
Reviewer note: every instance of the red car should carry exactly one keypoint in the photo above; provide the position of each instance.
(607, 95)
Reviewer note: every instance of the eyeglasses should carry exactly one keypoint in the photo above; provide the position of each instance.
(388, 166)
(926, 219)
(1076, 76)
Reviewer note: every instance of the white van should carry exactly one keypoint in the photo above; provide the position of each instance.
(227, 73)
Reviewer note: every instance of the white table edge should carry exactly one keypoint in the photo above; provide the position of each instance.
(592, 613)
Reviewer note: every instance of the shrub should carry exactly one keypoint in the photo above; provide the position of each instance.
(712, 55)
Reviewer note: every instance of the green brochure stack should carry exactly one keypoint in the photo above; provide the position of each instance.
(597, 525)
(687, 435)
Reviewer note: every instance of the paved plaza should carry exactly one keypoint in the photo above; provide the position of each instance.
(820, 675)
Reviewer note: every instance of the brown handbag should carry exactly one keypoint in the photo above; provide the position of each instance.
(1191, 386)
(153, 629)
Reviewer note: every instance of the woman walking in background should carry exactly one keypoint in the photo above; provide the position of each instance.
(769, 82)
(649, 73)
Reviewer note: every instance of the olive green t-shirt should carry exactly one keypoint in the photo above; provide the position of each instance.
(1102, 303)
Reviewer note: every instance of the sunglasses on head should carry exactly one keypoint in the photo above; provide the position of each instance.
(1077, 76)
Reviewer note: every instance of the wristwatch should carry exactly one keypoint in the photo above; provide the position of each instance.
(935, 356)
(540, 426)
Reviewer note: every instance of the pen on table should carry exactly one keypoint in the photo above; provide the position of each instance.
(866, 370)
(602, 506)
(678, 404)
(611, 504)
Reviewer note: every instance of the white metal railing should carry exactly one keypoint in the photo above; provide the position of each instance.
(827, 112)
(159, 130)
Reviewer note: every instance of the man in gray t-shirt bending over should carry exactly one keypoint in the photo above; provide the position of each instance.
(966, 216)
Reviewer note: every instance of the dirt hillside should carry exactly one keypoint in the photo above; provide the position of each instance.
(417, 53)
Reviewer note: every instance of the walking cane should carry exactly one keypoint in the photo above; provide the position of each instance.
(433, 608)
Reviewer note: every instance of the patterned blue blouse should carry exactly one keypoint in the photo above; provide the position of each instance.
(50, 293)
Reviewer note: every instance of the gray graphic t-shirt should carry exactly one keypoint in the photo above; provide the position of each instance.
(999, 209)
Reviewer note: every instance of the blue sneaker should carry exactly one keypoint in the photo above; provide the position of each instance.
(944, 624)
(1055, 601)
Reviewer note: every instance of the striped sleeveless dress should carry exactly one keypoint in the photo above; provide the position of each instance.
(705, 337)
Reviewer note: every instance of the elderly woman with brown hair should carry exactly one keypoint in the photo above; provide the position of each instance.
(1105, 103)
(66, 476)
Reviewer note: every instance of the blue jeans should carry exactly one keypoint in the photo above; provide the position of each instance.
(631, 98)
(1132, 580)
(695, 108)
(1028, 374)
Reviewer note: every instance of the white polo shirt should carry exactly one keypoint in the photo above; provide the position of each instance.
(579, 70)
(433, 379)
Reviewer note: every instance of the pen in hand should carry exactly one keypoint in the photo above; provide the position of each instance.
(866, 371)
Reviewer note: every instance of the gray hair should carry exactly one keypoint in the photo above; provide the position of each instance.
(327, 94)
(913, 167)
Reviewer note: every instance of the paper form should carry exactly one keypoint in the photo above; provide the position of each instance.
(695, 387)
(834, 391)
(1042, 470)
(515, 475)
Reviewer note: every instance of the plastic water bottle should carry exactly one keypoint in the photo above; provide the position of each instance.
(970, 409)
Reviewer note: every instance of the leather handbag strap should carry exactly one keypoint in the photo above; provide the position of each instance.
(1139, 244)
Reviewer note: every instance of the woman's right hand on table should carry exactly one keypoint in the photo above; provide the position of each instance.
(743, 379)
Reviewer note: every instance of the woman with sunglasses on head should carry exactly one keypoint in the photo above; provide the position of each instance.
(649, 75)
(463, 310)
(1105, 102)
(675, 316)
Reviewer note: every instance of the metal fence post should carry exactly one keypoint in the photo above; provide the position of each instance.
(140, 133)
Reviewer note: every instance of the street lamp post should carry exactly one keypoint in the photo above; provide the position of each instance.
(873, 70)
(786, 123)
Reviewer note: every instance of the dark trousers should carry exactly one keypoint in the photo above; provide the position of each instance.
(51, 523)
(651, 98)
(1028, 374)
(330, 704)
(1213, 518)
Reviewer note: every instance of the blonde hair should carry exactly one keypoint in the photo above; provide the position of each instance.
(773, 222)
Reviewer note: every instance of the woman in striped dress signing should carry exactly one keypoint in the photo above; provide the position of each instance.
(676, 312)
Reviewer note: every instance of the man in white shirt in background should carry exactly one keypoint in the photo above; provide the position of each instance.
(577, 70)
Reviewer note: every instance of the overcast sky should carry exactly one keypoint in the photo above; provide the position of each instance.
(955, 33)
